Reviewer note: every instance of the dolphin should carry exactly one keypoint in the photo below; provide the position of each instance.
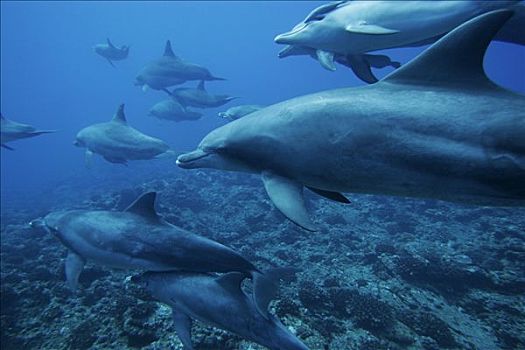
(435, 128)
(361, 65)
(138, 238)
(199, 97)
(352, 28)
(171, 109)
(117, 142)
(217, 301)
(12, 131)
(237, 112)
(110, 52)
(170, 70)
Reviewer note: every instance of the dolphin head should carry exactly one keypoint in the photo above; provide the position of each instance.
(80, 139)
(50, 223)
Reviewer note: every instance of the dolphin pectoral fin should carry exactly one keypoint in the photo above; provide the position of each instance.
(7, 147)
(266, 286)
(287, 195)
(361, 68)
(326, 59)
(110, 62)
(182, 323)
(364, 28)
(335, 196)
(88, 159)
(74, 266)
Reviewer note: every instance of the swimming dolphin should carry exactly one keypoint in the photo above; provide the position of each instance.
(117, 142)
(237, 112)
(217, 301)
(435, 128)
(351, 28)
(171, 109)
(12, 131)
(361, 65)
(199, 97)
(170, 70)
(138, 238)
(110, 52)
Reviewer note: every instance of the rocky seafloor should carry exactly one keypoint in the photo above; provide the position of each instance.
(383, 272)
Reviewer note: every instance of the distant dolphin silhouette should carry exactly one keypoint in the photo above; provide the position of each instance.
(110, 52)
(171, 109)
(435, 128)
(170, 70)
(12, 131)
(199, 97)
(117, 142)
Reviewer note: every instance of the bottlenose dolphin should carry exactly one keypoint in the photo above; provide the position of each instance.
(12, 131)
(171, 70)
(110, 52)
(217, 301)
(171, 109)
(138, 238)
(361, 65)
(435, 128)
(118, 142)
(351, 28)
(199, 97)
(237, 112)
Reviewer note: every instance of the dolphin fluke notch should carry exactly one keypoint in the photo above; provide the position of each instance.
(144, 206)
(119, 116)
(457, 58)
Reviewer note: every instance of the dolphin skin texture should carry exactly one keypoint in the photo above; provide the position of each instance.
(170, 70)
(342, 31)
(219, 302)
(12, 131)
(118, 142)
(110, 52)
(138, 238)
(435, 128)
(199, 97)
(237, 112)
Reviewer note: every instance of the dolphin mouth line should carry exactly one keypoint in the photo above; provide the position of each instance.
(187, 159)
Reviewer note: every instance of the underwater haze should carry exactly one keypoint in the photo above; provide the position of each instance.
(383, 272)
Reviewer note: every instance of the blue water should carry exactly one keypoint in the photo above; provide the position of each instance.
(52, 79)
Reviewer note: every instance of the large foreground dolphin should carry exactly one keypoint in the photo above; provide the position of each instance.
(110, 52)
(217, 301)
(344, 30)
(138, 238)
(12, 131)
(118, 142)
(435, 128)
(170, 70)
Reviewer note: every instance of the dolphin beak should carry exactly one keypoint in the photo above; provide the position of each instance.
(191, 160)
(287, 38)
(76, 143)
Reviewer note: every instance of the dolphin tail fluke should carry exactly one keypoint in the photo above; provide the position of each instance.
(266, 286)
(74, 266)
(7, 147)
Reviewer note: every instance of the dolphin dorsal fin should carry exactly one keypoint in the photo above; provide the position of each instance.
(168, 51)
(231, 281)
(119, 116)
(144, 206)
(201, 86)
(109, 43)
(457, 58)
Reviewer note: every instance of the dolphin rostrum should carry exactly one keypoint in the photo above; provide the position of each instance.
(171, 109)
(435, 128)
(138, 238)
(217, 301)
(237, 112)
(110, 52)
(199, 97)
(118, 142)
(342, 29)
(170, 70)
(12, 131)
